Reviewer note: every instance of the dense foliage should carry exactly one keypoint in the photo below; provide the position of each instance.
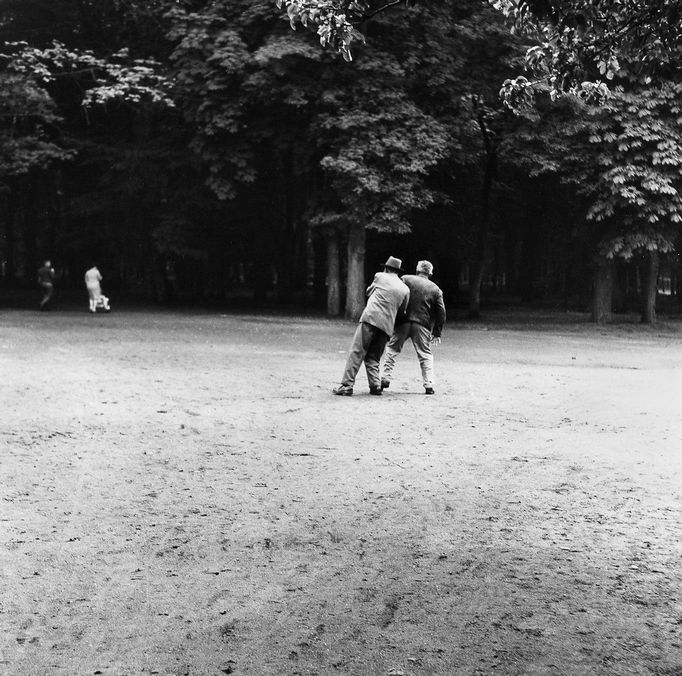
(202, 149)
(574, 39)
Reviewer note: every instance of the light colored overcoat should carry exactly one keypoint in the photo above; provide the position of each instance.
(386, 297)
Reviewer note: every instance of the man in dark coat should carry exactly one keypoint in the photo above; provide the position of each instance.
(45, 279)
(423, 323)
(386, 297)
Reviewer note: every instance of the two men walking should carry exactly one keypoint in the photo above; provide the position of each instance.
(409, 308)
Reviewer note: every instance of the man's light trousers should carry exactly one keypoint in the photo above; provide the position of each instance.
(421, 339)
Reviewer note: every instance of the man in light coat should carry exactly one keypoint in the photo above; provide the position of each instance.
(423, 323)
(386, 297)
(92, 284)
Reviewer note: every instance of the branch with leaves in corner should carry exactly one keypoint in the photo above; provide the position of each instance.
(336, 21)
(577, 43)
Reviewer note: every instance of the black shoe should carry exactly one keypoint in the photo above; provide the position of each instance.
(343, 391)
(377, 391)
(385, 383)
(429, 390)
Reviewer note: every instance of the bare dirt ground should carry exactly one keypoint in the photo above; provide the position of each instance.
(181, 494)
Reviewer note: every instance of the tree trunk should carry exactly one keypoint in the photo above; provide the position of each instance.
(529, 262)
(650, 288)
(55, 210)
(481, 251)
(156, 288)
(602, 291)
(475, 289)
(333, 275)
(619, 298)
(7, 233)
(355, 280)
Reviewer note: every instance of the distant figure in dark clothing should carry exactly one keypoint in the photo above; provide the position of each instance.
(46, 281)
(422, 322)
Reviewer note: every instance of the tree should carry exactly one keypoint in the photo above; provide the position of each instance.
(637, 189)
(52, 96)
(579, 41)
(381, 150)
(574, 39)
(236, 72)
(459, 53)
(622, 160)
(28, 144)
(346, 154)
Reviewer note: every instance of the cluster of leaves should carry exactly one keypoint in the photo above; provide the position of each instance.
(575, 43)
(366, 140)
(216, 82)
(638, 186)
(29, 116)
(581, 44)
(621, 143)
(379, 161)
(89, 147)
(577, 37)
(335, 21)
(103, 79)
(622, 157)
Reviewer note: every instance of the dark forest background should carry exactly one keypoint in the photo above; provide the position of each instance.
(203, 152)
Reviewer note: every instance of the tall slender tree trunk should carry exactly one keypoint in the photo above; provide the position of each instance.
(55, 209)
(481, 251)
(475, 289)
(602, 291)
(531, 252)
(310, 264)
(333, 274)
(650, 288)
(355, 280)
(7, 232)
(620, 288)
(489, 173)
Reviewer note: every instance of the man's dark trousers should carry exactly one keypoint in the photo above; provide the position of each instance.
(368, 346)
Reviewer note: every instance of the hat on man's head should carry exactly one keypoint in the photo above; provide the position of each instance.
(394, 263)
(425, 267)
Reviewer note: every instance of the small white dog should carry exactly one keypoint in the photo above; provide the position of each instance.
(102, 304)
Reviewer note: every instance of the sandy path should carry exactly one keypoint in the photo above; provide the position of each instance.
(182, 495)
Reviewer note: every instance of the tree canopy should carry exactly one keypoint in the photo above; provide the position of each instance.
(574, 41)
(201, 148)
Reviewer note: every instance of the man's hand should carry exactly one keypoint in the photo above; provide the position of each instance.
(435, 340)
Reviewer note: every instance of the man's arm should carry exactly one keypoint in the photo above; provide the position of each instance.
(403, 306)
(371, 287)
(440, 315)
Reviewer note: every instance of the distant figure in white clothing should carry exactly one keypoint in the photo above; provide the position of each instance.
(92, 284)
